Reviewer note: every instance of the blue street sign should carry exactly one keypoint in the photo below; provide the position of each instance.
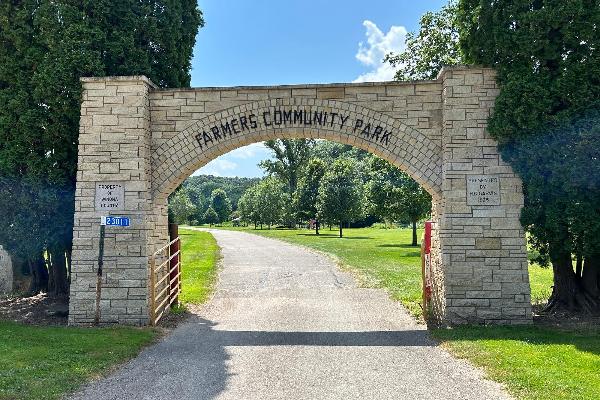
(115, 221)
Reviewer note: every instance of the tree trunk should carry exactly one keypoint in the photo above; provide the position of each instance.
(590, 277)
(341, 224)
(48, 265)
(69, 258)
(578, 265)
(565, 283)
(39, 276)
(317, 227)
(414, 233)
(58, 271)
(568, 292)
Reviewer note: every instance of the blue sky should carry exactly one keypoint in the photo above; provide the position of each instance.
(262, 42)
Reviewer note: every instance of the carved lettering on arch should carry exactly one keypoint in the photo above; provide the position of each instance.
(292, 116)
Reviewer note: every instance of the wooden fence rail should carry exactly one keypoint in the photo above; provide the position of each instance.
(165, 279)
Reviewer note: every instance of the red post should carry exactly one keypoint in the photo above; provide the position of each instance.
(174, 248)
(426, 266)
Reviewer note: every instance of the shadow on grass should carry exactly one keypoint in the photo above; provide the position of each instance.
(334, 236)
(586, 339)
(402, 246)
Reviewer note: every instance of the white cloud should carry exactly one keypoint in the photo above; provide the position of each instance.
(248, 151)
(218, 167)
(378, 45)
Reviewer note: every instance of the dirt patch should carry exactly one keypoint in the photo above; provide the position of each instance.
(35, 310)
(564, 320)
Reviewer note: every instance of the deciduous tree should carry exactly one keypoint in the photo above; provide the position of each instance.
(340, 197)
(221, 204)
(434, 45)
(210, 216)
(181, 207)
(305, 197)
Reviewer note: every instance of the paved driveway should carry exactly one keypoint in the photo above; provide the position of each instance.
(285, 323)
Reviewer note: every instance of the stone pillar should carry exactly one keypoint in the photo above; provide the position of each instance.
(114, 149)
(6, 273)
(482, 243)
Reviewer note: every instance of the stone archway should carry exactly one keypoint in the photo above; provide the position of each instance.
(148, 140)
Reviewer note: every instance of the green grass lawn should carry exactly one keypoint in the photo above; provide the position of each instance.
(47, 362)
(540, 280)
(533, 362)
(199, 254)
(38, 362)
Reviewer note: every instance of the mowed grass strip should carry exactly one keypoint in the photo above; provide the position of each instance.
(535, 363)
(48, 362)
(199, 256)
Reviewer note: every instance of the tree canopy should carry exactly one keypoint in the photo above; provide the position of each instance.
(434, 45)
(340, 197)
(545, 119)
(45, 47)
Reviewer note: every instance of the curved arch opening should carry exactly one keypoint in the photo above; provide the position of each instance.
(369, 130)
(381, 246)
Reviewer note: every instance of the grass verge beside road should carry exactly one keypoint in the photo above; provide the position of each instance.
(533, 362)
(47, 362)
(199, 253)
(40, 362)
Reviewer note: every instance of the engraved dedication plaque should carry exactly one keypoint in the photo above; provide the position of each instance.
(483, 190)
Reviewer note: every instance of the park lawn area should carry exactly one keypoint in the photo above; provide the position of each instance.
(199, 255)
(41, 362)
(533, 362)
(541, 281)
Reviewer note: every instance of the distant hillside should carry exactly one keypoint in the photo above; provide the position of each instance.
(234, 187)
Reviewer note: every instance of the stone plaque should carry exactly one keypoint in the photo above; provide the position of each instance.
(6, 273)
(110, 196)
(483, 190)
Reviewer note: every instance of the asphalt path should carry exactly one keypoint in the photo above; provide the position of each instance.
(286, 323)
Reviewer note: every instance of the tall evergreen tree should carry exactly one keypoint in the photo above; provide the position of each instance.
(547, 54)
(45, 47)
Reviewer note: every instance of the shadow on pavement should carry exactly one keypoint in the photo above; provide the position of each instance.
(279, 338)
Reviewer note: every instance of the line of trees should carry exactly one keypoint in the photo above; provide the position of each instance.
(334, 184)
(546, 119)
(45, 47)
(187, 206)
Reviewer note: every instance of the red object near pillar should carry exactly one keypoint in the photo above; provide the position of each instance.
(174, 264)
(428, 237)
(426, 266)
